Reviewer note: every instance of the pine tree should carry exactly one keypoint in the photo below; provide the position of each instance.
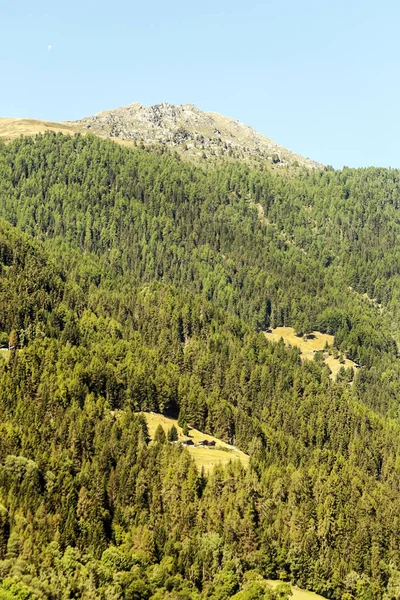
(172, 434)
(159, 434)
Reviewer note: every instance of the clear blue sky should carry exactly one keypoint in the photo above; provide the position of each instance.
(319, 77)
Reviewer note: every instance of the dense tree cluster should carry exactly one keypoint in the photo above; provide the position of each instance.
(142, 283)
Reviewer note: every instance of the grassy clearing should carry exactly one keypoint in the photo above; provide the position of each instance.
(298, 594)
(334, 365)
(4, 353)
(309, 347)
(204, 457)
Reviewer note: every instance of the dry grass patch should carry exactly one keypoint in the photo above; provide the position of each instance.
(10, 129)
(5, 353)
(298, 594)
(316, 343)
(308, 347)
(203, 457)
(334, 364)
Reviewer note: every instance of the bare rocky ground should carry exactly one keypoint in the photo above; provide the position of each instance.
(192, 132)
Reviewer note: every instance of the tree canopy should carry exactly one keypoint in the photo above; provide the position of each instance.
(131, 281)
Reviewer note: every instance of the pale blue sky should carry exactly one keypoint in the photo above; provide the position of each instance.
(321, 78)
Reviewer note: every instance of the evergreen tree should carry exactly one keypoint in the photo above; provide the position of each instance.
(172, 435)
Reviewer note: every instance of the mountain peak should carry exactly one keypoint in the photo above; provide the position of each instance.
(191, 131)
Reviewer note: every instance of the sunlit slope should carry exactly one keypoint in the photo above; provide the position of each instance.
(192, 132)
(297, 593)
(204, 457)
(11, 129)
(309, 345)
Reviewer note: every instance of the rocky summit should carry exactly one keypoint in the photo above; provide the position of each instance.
(190, 131)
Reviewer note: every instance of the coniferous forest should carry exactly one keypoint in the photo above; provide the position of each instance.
(134, 281)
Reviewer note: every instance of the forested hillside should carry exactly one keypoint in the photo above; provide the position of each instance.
(133, 281)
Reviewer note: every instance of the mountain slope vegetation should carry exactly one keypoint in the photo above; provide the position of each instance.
(134, 281)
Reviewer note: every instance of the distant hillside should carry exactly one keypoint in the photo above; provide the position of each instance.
(10, 129)
(189, 130)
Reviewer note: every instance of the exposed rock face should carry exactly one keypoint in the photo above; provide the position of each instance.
(190, 131)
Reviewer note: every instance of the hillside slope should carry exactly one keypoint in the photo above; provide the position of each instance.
(142, 284)
(10, 129)
(82, 491)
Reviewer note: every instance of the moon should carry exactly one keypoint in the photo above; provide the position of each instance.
(49, 48)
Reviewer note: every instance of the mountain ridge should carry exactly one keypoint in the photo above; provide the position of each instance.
(193, 133)
(190, 130)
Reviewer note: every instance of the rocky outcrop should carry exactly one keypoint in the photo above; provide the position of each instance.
(190, 131)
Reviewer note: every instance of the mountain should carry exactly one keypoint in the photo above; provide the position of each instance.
(195, 134)
(133, 282)
(191, 131)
